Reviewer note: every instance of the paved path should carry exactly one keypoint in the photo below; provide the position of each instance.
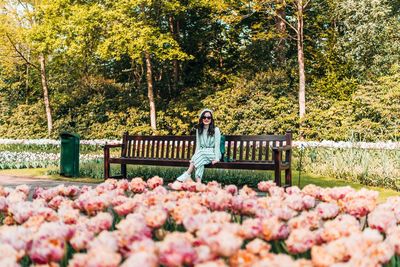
(12, 181)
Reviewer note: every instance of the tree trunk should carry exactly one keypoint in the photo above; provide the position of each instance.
(302, 76)
(150, 93)
(46, 99)
(300, 55)
(174, 62)
(280, 26)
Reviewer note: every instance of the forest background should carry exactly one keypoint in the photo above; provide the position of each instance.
(325, 69)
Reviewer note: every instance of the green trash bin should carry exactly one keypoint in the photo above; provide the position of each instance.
(69, 159)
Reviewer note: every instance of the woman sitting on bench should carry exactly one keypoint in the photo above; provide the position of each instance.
(207, 151)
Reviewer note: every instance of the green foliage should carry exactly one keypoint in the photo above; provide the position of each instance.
(217, 54)
(370, 34)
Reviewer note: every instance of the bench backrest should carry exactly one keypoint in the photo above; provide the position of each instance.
(237, 147)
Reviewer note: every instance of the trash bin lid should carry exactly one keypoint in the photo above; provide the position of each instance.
(68, 134)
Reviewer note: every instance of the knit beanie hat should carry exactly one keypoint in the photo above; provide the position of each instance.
(205, 110)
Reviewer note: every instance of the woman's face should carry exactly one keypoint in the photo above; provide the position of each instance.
(206, 118)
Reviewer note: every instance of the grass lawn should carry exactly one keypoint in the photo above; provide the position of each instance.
(40, 173)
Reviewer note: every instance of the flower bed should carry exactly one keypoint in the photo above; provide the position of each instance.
(137, 223)
(19, 160)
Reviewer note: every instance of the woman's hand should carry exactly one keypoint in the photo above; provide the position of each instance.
(214, 161)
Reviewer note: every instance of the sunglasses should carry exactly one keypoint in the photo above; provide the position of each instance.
(206, 117)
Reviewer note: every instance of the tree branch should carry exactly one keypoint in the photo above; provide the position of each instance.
(304, 7)
(20, 54)
(287, 23)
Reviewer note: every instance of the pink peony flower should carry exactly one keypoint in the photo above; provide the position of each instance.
(104, 241)
(337, 193)
(300, 240)
(96, 258)
(295, 202)
(215, 263)
(137, 185)
(327, 210)
(225, 243)
(156, 217)
(16, 236)
(131, 229)
(306, 220)
(21, 211)
(231, 189)
(141, 259)
(247, 191)
(154, 182)
(341, 226)
(23, 188)
(221, 200)
(68, 215)
(308, 202)
(293, 190)
(264, 186)
(393, 237)
(3, 204)
(204, 253)
(193, 222)
(250, 228)
(312, 190)
(176, 250)
(81, 239)
(7, 251)
(126, 207)
(382, 219)
(249, 206)
(258, 247)
(47, 250)
(360, 203)
(277, 192)
(274, 229)
(102, 221)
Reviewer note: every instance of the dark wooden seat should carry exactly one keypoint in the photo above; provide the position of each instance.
(251, 152)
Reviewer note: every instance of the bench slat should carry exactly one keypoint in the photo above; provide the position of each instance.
(178, 147)
(162, 149)
(157, 149)
(183, 150)
(253, 153)
(152, 148)
(134, 148)
(229, 150)
(234, 150)
(167, 150)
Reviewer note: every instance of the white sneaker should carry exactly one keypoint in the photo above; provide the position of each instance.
(183, 177)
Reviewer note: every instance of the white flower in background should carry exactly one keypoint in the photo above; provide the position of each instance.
(347, 144)
(95, 142)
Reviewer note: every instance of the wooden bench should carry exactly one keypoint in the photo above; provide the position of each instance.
(255, 152)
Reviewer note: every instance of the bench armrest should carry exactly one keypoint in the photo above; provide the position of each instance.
(282, 148)
(107, 146)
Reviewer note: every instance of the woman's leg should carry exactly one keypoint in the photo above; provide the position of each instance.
(191, 168)
(199, 173)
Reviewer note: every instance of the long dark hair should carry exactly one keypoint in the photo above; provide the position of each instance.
(211, 127)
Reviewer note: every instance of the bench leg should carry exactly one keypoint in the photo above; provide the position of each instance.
(106, 164)
(288, 177)
(278, 176)
(123, 171)
(277, 163)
